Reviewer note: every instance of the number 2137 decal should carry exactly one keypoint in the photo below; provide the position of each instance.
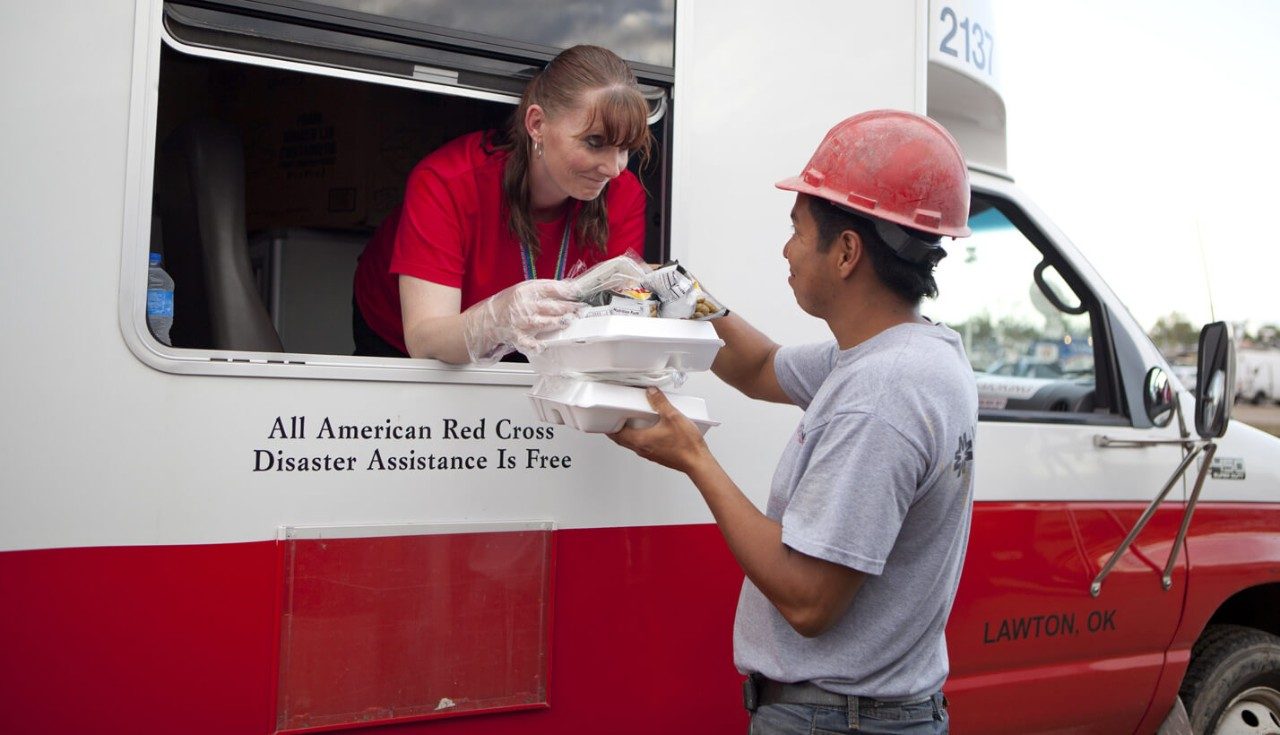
(978, 43)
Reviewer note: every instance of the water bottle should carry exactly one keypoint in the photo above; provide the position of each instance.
(159, 300)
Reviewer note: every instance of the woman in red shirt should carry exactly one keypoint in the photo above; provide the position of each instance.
(468, 267)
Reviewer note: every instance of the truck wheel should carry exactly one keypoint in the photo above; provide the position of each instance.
(1233, 683)
(1259, 398)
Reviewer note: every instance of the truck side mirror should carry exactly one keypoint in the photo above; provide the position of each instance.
(1157, 397)
(1215, 380)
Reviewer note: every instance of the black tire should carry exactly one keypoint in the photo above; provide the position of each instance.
(1234, 673)
(1259, 398)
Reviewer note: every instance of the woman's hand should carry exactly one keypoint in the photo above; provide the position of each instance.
(516, 317)
(673, 442)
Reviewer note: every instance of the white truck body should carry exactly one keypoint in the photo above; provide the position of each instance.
(165, 569)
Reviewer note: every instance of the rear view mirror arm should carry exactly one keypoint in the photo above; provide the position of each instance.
(1209, 449)
(1183, 431)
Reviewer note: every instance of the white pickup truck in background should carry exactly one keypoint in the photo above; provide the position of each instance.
(1258, 376)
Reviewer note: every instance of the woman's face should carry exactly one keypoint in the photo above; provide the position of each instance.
(576, 160)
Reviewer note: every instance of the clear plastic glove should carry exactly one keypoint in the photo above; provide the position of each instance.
(514, 318)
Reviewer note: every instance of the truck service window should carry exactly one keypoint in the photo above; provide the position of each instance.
(1032, 338)
(283, 138)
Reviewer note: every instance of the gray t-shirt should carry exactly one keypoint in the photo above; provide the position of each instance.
(878, 477)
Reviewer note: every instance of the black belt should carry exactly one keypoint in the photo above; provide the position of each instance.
(758, 691)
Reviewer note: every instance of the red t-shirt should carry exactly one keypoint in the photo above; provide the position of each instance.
(452, 230)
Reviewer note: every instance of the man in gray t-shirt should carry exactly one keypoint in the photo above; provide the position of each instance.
(853, 566)
(876, 478)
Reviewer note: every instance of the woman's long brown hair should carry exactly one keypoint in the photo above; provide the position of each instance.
(571, 77)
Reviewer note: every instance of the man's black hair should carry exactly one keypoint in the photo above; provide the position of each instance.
(912, 282)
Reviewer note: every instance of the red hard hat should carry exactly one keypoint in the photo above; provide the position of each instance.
(894, 165)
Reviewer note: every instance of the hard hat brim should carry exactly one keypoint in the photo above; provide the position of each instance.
(800, 186)
(797, 184)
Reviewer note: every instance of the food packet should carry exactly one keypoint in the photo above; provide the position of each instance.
(610, 303)
(707, 307)
(603, 298)
(681, 295)
(626, 271)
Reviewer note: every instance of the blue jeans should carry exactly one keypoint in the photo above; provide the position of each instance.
(874, 718)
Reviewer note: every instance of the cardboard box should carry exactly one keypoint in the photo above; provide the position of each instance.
(304, 163)
(316, 150)
(405, 129)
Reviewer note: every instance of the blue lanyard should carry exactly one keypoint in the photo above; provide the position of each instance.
(526, 257)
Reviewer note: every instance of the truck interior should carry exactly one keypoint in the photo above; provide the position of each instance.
(273, 165)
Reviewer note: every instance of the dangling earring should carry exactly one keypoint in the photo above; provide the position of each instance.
(537, 148)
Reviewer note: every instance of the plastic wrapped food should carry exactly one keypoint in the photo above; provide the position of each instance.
(681, 295)
(595, 370)
(618, 274)
(678, 293)
(613, 304)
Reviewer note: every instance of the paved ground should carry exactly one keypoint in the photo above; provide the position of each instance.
(1266, 418)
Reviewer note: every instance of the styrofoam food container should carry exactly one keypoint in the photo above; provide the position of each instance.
(603, 408)
(628, 344)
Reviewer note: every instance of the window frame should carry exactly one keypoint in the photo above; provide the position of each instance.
(301, 11)
(1108, 388)
(149, 40)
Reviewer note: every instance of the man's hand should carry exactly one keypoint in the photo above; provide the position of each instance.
(673, 442)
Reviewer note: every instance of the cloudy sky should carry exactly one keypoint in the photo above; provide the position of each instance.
(1150, 133)
(638, 30)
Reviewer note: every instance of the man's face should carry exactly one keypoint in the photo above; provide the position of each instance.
(810, 269)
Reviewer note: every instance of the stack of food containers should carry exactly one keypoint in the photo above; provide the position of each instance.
(595, 371)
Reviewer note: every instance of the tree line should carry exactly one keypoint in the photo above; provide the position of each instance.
(1175, 335)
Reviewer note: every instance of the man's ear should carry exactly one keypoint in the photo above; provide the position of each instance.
(848, 250)
(534, 117)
